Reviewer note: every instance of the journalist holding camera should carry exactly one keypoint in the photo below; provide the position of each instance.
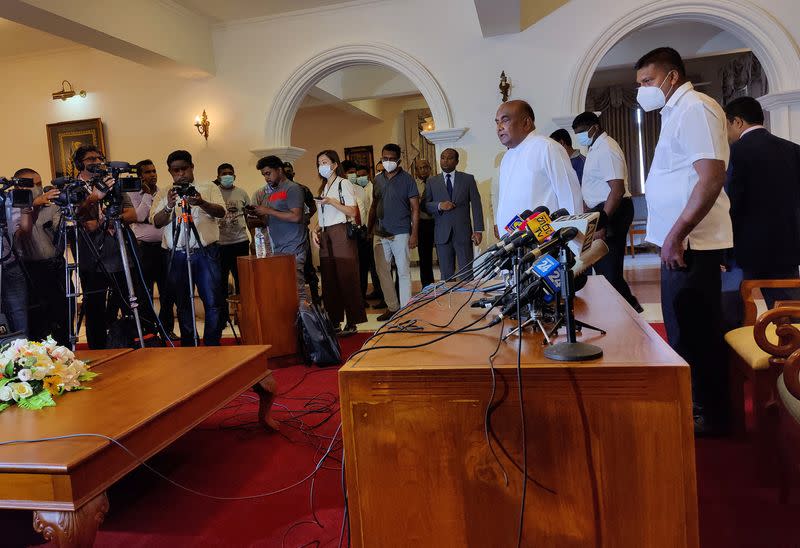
(100, 261)
(206, 206)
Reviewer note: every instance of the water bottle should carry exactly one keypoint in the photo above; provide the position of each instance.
(261, 244)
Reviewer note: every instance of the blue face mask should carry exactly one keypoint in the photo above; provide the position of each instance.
(227, 180)
(583, 138)
(362, 181)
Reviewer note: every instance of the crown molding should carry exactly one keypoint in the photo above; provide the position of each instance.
(287, 154)
(440, 137)
(771, 101)
(296, 13)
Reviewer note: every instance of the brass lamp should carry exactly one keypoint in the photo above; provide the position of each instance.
(65, 93)
(202, 124)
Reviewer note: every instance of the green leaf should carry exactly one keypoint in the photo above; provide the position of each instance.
(89, 375)
(9, 370)
(4, 406)
(38, 401)
(4, 381)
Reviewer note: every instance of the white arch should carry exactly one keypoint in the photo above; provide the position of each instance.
(291, 94)
(774, 47)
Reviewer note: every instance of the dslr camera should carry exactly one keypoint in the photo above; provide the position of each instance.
(20, 191)
(184, 189)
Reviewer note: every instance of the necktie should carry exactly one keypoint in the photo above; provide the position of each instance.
(449, 187)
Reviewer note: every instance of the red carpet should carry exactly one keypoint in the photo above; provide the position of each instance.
(229, 456)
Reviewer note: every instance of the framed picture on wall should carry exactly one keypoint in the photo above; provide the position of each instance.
(362, 156)
(63, 138)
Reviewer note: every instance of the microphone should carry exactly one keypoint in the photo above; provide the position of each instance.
(558, 213)
(517, 221)
(596, 251)
(562, 236)
(586, 224)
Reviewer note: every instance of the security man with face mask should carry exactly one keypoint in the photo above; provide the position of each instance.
(688, 219)
(605, 188)
(233, 239)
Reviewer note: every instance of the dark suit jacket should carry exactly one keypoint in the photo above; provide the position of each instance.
(456, 221)
(764, 188)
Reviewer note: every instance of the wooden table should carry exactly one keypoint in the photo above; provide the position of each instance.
(145, 399)
(610, 442)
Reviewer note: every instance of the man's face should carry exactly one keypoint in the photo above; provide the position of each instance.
(92, 158)
(351, 171)
(362, 173)
(512, 124)
(423, 170)
(271, 175)
(735, 129)
(448, 160)
(390, 156)
(654, 75)
(148, 175)
(181, 171)
(37, 179)
(225, 171)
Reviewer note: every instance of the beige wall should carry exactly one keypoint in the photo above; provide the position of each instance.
(328, 127)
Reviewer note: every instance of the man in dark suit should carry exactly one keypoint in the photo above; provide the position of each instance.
(764, 188)
(449, 198)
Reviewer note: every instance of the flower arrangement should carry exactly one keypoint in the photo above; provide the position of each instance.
(31, 373)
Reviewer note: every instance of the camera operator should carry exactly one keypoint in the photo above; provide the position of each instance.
(152, 256)
(44, 263)
(207, 206)
(14, 290)
(102, 278)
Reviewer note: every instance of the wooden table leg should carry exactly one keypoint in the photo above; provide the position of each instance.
(68, 529)
(266, 390)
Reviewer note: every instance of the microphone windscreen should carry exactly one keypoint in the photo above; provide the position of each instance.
(541, 209)
(558, 213)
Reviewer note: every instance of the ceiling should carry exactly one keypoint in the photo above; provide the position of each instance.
(18, 40)
(218, 11)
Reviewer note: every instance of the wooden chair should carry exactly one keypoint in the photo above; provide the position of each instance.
(757, 353)
(639, 223)
(789, 423)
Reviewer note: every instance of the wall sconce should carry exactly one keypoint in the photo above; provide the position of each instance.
(427, 124)
(202, 124)
(65, 93)
(505, 86)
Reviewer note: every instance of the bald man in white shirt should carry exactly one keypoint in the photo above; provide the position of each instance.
(688, 218)
(535, 171)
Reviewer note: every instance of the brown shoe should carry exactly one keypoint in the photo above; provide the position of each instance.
(386, 316)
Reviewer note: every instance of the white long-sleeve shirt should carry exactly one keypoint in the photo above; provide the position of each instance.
(537, 172)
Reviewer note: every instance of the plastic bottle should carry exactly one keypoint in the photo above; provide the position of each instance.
(261, 244)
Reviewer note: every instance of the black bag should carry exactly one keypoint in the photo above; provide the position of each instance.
(355, 231)
(317, 336)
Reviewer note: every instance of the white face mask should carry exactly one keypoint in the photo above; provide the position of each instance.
(325, 171)
(651, 97)
(389, 165)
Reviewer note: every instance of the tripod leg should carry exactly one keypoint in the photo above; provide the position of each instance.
(581, 324)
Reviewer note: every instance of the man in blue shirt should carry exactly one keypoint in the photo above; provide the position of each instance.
(562, 137)
(394, 220)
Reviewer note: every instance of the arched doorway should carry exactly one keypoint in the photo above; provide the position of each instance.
(295, 89)
(775, 49)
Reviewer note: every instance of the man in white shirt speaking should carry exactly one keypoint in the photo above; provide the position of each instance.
(605, 188)
(535, 171)
(688, 218)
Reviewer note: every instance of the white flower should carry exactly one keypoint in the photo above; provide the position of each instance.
(25, 375)
(5, 393)
(62, 353)
(20, 390)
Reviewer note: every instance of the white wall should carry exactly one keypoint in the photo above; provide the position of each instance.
(149, 113)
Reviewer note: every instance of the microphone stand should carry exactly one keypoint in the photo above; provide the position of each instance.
(571, 350)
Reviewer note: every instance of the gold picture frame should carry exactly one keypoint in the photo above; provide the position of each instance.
(63, 138)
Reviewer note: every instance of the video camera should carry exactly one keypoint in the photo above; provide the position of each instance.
(72, 191)
(21, 195)
(126, 179)
(184, 189)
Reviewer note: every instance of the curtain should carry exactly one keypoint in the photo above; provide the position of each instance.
(618, 114)
(416, 146)
(742, 76)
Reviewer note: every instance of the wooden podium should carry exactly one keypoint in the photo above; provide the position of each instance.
(268, 302)
(610, 442)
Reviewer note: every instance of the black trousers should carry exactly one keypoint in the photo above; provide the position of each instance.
(309, 272)
(366, 267)
(153, 259)
(227, 263)
(612, 266)
(691, 305)
(425, 250)
(47, 300)
(101, 304)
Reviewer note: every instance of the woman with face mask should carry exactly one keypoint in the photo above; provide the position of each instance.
(338, 254)
(233, 238)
